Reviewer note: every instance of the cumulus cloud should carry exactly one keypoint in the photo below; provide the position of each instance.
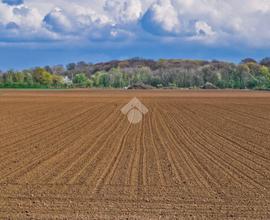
(162, 18)
(202, 28)
(211, 20)
(21, 23)
(217, 21)
(84, 25)
(57, 21)
(124, 11)
(21, 15)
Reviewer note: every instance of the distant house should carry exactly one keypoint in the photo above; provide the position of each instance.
(67, 81)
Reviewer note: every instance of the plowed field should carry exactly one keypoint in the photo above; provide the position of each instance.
(194, 155)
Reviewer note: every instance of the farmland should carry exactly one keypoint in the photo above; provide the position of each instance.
(74, 155)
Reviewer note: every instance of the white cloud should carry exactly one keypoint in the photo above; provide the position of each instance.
(123, 11)
(57, 21)
(220, 21)
(202, 28)
(21, 23)
(162, 18)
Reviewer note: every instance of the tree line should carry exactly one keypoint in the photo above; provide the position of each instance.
(173, 73)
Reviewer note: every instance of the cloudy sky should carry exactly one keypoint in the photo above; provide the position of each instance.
(38, 32)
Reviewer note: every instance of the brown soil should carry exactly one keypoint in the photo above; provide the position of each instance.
(74, 155)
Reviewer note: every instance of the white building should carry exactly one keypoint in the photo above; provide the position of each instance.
(67, 80)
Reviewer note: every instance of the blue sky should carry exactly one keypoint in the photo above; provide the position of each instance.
(38, 32)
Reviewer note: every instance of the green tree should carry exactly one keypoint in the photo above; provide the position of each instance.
(19, 78)
(104, 80)
(142, 74)
(28, 79)
(117, 79)
(101, 79)
(42, 77)
(210, 75)
(8, 78)
(155, 81)
(241, 76)
(57, 80)
(89, 83)
(80, 80)
(1, 80)
(265, 72)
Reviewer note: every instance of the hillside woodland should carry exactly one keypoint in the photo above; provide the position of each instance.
(164, 73)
